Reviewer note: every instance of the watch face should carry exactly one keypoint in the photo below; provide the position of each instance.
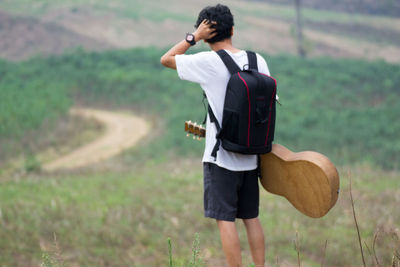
(189, 38)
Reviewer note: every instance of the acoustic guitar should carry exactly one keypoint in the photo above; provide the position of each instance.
(308, 179)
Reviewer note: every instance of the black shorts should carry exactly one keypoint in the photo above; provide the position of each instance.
(230, 194)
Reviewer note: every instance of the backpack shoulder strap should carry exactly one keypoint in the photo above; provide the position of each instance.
(252, 60)
(228, 61)
(214, 120)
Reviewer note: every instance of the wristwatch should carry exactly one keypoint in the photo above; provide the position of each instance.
(190, 39)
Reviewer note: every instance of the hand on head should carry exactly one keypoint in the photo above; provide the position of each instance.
(205, 30)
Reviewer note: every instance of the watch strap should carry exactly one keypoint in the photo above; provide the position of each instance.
(190, 38)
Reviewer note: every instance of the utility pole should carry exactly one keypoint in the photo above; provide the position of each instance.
(299, 29)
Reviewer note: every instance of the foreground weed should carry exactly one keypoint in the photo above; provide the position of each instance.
(49, 261)
(195, 251)
(297, 247)
(170, 252)
(52, 258)
(374, 259)
(196, 260)
(356, 223)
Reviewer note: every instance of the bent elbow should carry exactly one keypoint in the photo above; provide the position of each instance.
(168, 61)
(162, 61)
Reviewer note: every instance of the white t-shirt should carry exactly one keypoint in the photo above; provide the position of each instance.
(207, 69)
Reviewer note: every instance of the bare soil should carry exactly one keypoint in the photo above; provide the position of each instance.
(60, 29)
(118, 31)
(22, 38)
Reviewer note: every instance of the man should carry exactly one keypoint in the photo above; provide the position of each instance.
(230, 180)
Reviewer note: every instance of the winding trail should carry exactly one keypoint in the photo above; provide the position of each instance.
(123, 130)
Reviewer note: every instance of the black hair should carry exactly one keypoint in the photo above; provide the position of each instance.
(224, 21)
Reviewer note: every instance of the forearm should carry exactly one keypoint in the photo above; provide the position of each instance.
(168, 59)
(203, 32)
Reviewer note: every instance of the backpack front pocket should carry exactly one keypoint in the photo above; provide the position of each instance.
(231, 125)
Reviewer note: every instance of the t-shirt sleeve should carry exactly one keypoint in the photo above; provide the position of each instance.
(262, 65)
(195, 68)
(263, 68)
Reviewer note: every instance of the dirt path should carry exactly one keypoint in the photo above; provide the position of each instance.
(123, 130)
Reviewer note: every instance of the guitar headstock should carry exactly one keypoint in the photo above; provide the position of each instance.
(195, 129)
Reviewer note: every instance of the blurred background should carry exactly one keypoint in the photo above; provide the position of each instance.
(95, 169)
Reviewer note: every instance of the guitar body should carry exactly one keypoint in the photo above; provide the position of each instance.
(308, 179)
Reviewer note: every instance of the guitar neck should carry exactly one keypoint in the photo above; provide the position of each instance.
(195, 129)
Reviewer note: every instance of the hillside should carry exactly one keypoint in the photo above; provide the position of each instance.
(269, 28)
(383, 7)
(23, 37)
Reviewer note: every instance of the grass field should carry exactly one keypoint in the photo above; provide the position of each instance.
(121, 212)
(124, 217)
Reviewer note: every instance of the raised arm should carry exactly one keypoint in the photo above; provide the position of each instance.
(203, 32)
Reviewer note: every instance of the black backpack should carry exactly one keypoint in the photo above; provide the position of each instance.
(248, 121)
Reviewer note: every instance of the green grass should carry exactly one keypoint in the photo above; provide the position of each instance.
(131, 212)
(345, 109)
(125, 218)
(27, 94)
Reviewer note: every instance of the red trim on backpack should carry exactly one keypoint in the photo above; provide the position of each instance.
(270, 106)
(270, 77)
(248, 98)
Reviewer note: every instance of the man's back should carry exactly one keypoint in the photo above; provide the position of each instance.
(207, 69)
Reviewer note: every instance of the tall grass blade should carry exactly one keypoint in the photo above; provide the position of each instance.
(170, 252)
(298, 249)
(324, 253)
(370, 254)
(355, 220)
(373, 248)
